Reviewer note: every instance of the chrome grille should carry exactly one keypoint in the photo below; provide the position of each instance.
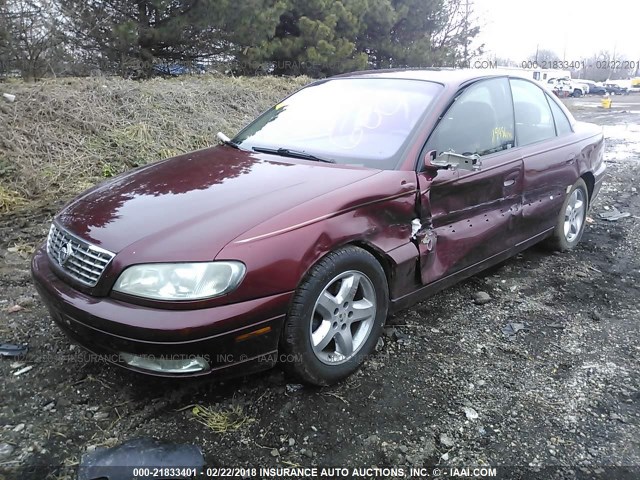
(81, 260)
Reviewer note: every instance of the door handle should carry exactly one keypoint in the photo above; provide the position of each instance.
(508, 183)
(571, 159)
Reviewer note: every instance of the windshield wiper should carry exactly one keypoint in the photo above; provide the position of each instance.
(287, 152)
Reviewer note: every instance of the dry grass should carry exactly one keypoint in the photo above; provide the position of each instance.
(10, 199)
(220, 421)
(24, 249)
(61, 136)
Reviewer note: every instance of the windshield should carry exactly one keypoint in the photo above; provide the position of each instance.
(362, 121)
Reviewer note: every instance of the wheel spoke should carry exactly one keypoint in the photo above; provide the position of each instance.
(578, 205)
(362, 310)
(327, 305)
(344, 342)
(322, 336)
(573, 199)
(348, 288)
(567, 213)
(578, 223)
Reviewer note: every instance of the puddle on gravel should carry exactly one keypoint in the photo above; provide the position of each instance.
(623, 142)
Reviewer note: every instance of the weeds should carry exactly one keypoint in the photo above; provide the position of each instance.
(25, 250)
(221, 422)
(10, 200)
(60, 136)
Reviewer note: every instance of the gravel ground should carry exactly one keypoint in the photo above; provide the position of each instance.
(449, 387)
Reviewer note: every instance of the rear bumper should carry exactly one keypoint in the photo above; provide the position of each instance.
(108, 327)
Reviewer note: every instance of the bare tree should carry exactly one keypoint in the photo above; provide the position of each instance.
(33, 38)
(4, 41)
(544, 57)
(459, 26)
(606, 66)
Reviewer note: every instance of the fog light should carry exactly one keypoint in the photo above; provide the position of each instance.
(166, 363)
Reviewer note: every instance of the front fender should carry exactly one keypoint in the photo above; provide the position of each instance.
(375, 213)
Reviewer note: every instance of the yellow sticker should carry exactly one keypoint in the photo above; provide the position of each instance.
(501, 133)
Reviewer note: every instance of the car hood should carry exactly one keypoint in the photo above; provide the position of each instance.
(188, 208)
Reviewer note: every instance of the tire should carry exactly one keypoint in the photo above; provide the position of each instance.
(571, 219)
(327, 311)
(577, 93)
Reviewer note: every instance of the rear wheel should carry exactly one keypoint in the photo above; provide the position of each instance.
(336, 317)
(571, 219)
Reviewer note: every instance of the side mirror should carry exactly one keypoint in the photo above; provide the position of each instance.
(452, 160)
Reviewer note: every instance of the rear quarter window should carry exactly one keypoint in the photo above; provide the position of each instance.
(534, 121)
(563, 126)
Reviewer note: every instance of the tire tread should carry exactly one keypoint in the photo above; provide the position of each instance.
(291, 336)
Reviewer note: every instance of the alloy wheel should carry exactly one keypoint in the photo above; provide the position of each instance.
(574, 214)
(343, 317)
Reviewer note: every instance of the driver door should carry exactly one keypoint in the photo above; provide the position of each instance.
(470, 216)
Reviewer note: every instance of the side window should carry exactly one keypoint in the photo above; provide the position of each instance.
(562, 122)
(480, 121)
(534, 121)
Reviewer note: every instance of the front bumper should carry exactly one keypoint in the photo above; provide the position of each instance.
(234, 339)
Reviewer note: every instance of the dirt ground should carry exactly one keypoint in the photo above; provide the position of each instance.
(561, 397)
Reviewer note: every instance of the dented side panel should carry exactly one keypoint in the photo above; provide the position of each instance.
(280, 251)
(468, 216)
(550, 169)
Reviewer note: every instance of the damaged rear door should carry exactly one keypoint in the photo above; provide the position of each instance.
(470, 216)
(551, 155)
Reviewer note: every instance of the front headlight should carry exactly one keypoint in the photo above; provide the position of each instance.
(180, 281)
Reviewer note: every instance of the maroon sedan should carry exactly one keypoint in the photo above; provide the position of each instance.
(291, 243)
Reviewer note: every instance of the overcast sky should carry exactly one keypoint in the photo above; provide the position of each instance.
(513, 28)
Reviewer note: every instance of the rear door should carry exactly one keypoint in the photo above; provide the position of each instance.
(470, 216)
(550, 154)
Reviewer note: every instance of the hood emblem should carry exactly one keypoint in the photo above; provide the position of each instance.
(65, 253)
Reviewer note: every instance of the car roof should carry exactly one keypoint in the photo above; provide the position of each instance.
(446, 76)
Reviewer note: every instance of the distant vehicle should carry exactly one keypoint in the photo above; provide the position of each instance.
(597, 90)
(589, 83)
(615, 89)
(561, 87)
(176, 70)
(594, 88)
(580, 88)
(575, 88)
(543, 75)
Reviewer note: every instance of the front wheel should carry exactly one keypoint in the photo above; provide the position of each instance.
(336, 317)
(571, 219)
